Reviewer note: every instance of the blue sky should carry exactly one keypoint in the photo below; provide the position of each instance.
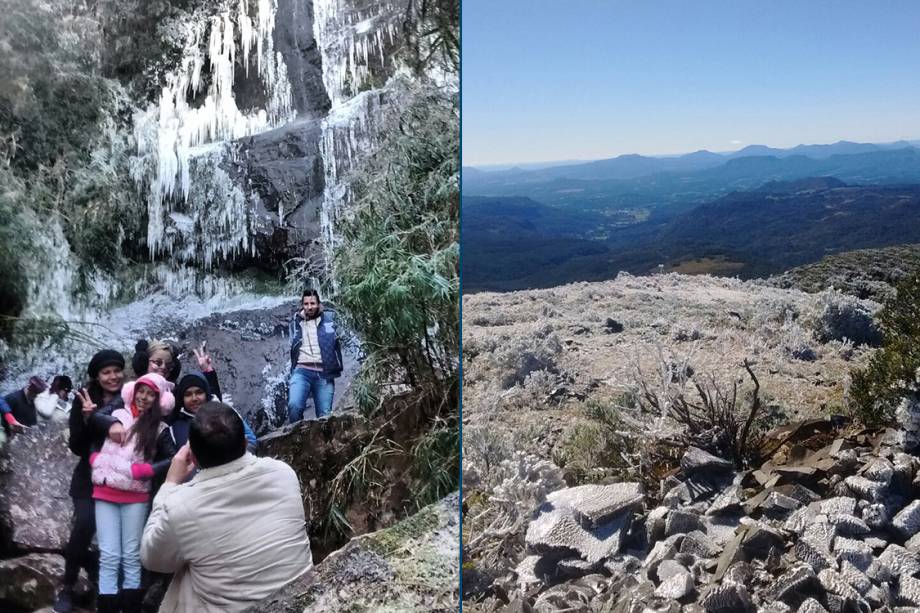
(589, 79)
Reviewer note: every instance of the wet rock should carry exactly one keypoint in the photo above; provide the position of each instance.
(35, 471)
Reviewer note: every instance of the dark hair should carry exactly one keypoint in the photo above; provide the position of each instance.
(216, 435)
(147, 428)
(310, 292)
(61, 382)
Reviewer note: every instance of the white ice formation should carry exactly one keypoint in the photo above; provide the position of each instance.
(190, 122)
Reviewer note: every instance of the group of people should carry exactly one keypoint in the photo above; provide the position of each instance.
(167, 481)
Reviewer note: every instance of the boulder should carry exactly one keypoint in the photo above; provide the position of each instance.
(35, 507)
(597, 504)
(412, 566)
(907, 521)
(30, 582)
(695, 460)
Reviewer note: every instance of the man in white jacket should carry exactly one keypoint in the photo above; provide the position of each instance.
(236, 532)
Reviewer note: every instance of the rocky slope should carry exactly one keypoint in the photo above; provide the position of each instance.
(579, 494)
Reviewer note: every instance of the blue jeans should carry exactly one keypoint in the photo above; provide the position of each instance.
(305, 383)
(119, 528)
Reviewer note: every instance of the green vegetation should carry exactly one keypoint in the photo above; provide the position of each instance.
(397, 265)
(892, 371)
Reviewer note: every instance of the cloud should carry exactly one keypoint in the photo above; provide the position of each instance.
(737, 142)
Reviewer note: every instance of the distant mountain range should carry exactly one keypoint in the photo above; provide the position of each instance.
(632, 166)
(517, 243)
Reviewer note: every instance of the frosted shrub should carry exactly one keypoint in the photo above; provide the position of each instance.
(683, 333)
(840, 316)
(768, 314)
(522, 356)
(796, 343)
(485, 447)
(538, 386)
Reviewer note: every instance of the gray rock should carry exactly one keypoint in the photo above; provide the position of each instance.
(727, 501)
(699, 544)
(907, 521)
(596, 504)
(856, 552)
(834, 583)
(761, 539)
(878, 596)
(30, 582)
(675, 587)
(682, 522)
(655, 523)
(383, 570)
(849, 525)
(696, 460)
(35, 471)
(779, 505)
(669, 568)
(816, 557)
(876, 516)
(909, 591)
(855, 577)
(880, 470)
(810, 605)
(899, 560)
(792, 580)
(838, 505)
(727, 598)
(864, 488)
(913, 544)
(558, 534)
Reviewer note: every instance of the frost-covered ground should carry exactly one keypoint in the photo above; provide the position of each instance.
(532, 358)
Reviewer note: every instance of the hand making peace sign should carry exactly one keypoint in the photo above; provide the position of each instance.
(86, 403)
(204, 359)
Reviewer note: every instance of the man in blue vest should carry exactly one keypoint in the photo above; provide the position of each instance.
(316, 358)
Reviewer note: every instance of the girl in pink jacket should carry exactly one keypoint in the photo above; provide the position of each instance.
(122, 481)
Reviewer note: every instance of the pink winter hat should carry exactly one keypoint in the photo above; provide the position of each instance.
(159, 384)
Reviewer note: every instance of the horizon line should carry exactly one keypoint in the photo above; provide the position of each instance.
(572, 161)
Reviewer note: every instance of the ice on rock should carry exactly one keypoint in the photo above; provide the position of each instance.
(171, 134)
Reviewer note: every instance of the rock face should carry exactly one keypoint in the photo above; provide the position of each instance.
(30, 582)
(828, 528)
(411, 566)
(35, 507)
(319, 451)
(251, 354)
